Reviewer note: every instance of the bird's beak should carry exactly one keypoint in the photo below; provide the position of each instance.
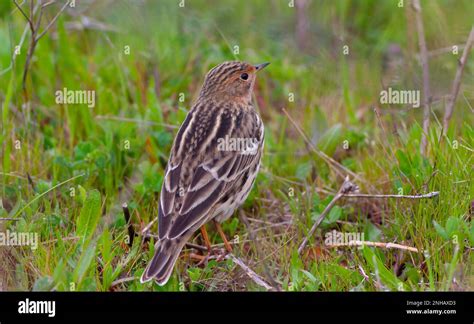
(259, 67)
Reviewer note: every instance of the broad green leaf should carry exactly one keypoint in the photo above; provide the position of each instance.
(194, 273)
(84, 263)
(404, 162)
(452, 225)
(310, 276)
(440, 230)
(334, 215)
(82, 194)
(89, 217)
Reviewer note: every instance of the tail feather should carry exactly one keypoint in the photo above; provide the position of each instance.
(162, 264)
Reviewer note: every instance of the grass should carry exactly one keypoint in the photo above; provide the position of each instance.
(85, 162)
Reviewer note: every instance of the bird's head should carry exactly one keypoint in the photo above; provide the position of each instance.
(231, 80)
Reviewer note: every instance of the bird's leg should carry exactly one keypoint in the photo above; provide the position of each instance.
(227, 245)
(205, 237)
(198, 257)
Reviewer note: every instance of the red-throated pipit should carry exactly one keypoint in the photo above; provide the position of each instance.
(212, 166)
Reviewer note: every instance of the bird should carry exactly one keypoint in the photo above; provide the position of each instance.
(213, 163)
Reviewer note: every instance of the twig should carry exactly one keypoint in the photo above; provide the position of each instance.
(377, 244)
(131, 230)
(34, 28)
(428, 195)
(302, 24)
(8, 219)
(426, 75)
(32, 46)
(203, 258)
(48, 3)
(157, 83)
(188, 244)
(24, 15)
(366, 277)
(203, 248)
(146, 236)
(197, 247)
(457, 81)
(51, 23)
(255, 277)
(441, 51)
(346, 188)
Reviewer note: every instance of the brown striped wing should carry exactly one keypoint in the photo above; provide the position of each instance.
(194, 183)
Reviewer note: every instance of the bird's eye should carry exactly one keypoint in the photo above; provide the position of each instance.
(244, 76)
